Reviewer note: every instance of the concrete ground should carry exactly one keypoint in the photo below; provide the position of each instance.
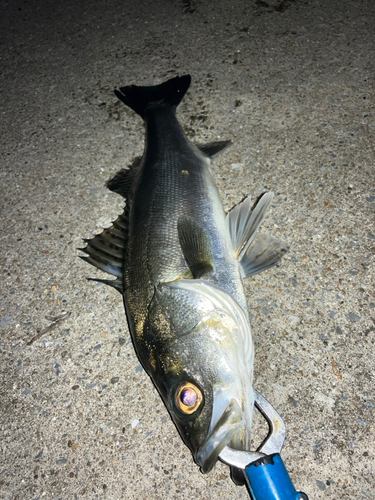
(291, 83)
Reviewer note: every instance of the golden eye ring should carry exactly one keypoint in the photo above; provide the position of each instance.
(188, 398)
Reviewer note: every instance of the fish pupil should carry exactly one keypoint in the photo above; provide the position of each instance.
(188, 397)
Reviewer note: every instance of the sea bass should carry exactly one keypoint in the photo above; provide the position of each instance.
(179, 261)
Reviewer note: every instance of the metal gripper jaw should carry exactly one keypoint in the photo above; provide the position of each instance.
(264, 470)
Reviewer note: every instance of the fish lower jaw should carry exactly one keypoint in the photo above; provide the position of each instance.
(223, 433)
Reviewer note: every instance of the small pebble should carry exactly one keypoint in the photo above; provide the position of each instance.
(354, 317)
(320, 484)
(4, 322)
(62, 461)
(294, 320)
(361, 422)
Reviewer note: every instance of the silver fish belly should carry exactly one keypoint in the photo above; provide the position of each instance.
(179, 261)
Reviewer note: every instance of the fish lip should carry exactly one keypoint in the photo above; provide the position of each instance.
(223, 432)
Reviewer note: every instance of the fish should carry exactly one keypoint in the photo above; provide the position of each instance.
(179, 261)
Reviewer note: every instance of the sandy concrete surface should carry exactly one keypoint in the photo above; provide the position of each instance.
(291, 83)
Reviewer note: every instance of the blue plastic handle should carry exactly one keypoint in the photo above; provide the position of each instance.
(268, 479)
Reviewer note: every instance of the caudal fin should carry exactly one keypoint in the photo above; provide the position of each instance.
(140, 98)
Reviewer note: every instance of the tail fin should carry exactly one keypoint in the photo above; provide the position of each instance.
(140, 98)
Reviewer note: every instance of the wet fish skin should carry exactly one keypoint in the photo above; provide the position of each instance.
(179, 261)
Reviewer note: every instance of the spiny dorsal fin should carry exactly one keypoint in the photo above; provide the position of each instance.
(213, 149)
(243, 221)
(195, 246)
(264, 252)
(106, 251)
(123, 182)
(116, 284)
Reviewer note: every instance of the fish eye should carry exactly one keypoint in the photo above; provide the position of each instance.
(188, 398)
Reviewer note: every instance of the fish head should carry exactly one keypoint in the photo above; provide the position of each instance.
(201, 361)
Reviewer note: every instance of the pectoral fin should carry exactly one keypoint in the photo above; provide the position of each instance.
(195, 246)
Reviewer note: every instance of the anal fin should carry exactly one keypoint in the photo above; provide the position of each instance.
(213, 149)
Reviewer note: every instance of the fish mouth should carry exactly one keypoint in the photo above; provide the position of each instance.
(221, 435)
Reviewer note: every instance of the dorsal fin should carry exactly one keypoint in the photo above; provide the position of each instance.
(195, 246)
(123, 182)
(106, 251)
(213, 149)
